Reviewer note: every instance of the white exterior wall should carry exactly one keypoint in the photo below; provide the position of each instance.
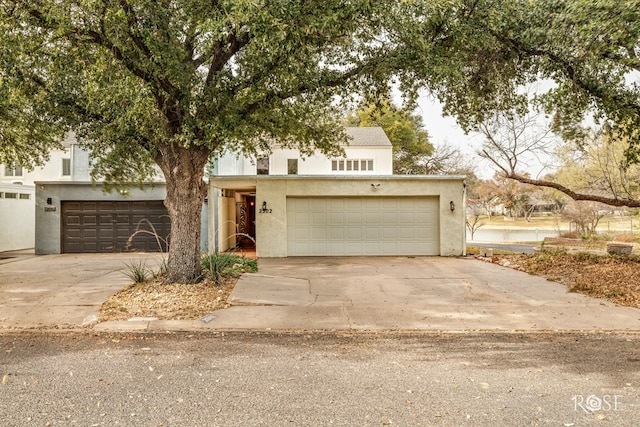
(52, 169)
(231, 164)
(17, 218)
(317, 164)
(271, 228)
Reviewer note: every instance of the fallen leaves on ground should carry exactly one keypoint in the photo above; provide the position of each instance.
(614, 278)
(167, 302)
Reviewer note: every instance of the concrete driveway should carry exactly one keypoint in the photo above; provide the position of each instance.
(421, 293)
(60, 290)
(425, 293)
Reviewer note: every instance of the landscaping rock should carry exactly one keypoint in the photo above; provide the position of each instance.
(619, 249)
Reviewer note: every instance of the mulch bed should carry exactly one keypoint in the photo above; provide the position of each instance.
(167, 302)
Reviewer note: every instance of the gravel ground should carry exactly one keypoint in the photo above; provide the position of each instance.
(167, 302)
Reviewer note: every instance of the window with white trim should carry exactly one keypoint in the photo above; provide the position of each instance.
(351, 165)
(66, 167)
(13, 170)
(263, 165)
(292, 166)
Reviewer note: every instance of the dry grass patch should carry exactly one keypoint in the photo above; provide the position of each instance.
(616, 279)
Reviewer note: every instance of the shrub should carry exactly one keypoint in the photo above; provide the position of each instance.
(219, 266)
(626, 238)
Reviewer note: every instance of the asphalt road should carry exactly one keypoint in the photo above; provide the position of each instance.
(309, 379)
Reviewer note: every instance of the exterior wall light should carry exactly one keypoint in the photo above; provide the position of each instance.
(264, 209)
(452, 206)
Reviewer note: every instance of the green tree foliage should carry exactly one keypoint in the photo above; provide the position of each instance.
(171, 82)
(478, 54)
(411, 146)
(22, 120)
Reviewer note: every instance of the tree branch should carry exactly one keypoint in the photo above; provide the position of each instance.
(611, 201)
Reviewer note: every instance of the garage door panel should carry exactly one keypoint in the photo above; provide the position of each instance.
(318, 218)
(318, 233)
(336, 234)
(317, 205)
(74, 234)
(336, 218)
(389, 233)
(123, 232)
(389, 218)
(337, 204)
(354, 233)
(371, 217)
(371, 233)
(363, 226)
(408, 217)
(317, 247)
(300, 234)
(105, 226)
(353, 218)
(373, 203)
(72, 220)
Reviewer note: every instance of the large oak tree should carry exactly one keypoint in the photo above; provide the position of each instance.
(170, 82)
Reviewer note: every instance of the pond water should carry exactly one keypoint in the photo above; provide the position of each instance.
(505, 235)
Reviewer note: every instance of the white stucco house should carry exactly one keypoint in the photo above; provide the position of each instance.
(285, 205)
(18, 192)
(369, 153)
(282, 203)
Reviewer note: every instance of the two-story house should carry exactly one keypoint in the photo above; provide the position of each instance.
(281, 203)
(286, 205)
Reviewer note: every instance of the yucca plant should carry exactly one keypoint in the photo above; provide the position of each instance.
(218, 266)
(137, 271)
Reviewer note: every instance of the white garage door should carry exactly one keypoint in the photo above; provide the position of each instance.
(362, 226)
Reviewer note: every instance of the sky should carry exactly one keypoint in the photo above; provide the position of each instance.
(445, 130)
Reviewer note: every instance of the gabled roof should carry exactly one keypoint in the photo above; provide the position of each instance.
(367, 137)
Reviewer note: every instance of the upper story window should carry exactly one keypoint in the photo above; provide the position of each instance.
(351, 165)
(66, 167)
(292, 166)
(263, 165)
(13, 170)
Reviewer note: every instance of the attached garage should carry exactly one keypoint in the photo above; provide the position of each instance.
(114, 226)
(326, 226)
(78, 217)
(345, 215)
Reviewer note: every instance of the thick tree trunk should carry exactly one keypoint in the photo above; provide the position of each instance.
(183, 169)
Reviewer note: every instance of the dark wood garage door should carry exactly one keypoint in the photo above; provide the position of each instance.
(114, 226)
